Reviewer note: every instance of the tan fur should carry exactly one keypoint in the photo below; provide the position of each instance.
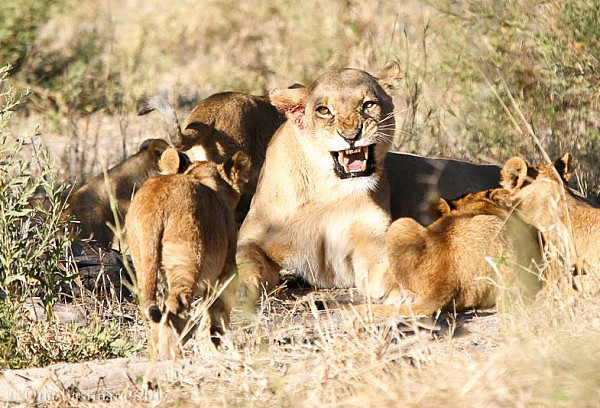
(445, 263)
(226, 122)
(543, 198)
(182, 226)
(304, 217)
(221, 125)
(90, 204)
(492, 201)
(417, 182)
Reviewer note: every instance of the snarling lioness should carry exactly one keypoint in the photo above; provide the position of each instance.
(321, 206)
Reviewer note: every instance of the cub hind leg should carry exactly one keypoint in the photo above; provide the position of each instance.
(180, 268)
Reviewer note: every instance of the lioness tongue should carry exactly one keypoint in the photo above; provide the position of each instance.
(355, 163)
(353, 159)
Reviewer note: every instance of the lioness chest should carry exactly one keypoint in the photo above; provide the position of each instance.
(320, 243)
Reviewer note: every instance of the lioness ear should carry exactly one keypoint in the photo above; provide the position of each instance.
(563, 167)
(513, 173)
(239, 171)
(169, 161)
(439, 208)
(389, 76)
(292, 102)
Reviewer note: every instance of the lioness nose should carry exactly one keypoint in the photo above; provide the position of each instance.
(354, 134)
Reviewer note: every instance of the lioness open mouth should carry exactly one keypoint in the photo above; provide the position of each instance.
(357, 162)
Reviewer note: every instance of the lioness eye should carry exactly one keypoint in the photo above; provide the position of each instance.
(323, 111)
(368, 104)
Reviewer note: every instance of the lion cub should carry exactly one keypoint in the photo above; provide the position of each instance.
(459, 261)
(542, 197)
(182, 226)
(90, 204)
(221, 125)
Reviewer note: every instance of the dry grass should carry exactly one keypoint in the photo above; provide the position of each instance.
(295, 353)
(107, 55)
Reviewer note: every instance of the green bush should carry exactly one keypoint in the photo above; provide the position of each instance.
(33, 239)
(547, 54)
(36, 344)
(34, 245)
(19, 22)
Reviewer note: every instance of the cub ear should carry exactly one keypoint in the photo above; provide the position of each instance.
(389, 76)
(292, 102)
(169, 162)
(155, 146)
(513, 174)
(501, 197)
(239, 168)
(158, 147)
(563, 167)
(439, 209)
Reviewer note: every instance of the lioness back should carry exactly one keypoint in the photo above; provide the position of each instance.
(90, 204)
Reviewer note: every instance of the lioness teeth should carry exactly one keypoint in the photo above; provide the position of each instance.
(355, 160)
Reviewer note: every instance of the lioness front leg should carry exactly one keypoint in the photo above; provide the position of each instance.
(370, 264)
(256, 272)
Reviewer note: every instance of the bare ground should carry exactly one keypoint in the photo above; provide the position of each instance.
(302, 349)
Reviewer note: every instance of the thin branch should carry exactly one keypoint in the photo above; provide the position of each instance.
(506, 110)
(527, 125)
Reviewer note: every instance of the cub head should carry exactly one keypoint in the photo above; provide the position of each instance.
(345, 120)
(150, 152)
(235, 172)
(538, 192)
(517, 174)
